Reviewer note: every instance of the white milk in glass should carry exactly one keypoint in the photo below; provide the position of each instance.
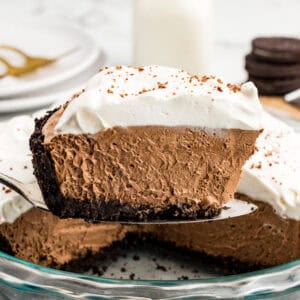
(174, 33)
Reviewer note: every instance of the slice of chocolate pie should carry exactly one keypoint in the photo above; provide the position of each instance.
(146, 143)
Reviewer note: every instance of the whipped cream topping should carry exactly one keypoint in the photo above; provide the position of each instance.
(155, 95)
(15, 161)
(272, 174)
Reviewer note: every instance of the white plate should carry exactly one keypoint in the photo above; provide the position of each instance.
(49, 39)
(58, 93)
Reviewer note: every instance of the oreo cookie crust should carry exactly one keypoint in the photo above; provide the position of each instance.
(95, 210)
(148, 243)
(263, 69)
(277, 49)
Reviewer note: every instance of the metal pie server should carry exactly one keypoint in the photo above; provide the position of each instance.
(32, 193)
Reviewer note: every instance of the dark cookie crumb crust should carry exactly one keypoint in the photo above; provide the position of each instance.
(95, 210)
(134, 240)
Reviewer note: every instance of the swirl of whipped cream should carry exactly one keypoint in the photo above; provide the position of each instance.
(155, 95)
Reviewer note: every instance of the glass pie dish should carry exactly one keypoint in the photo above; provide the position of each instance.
(20, 279)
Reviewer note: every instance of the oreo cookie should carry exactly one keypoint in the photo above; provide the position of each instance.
(274, 65)
(275, 86)
(264, 69)
(277, 49)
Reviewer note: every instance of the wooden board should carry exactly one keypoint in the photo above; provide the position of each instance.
(278, 103)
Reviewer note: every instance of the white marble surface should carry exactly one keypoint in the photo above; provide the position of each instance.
(110, 23)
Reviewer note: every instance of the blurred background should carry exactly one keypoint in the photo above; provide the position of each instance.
(235, 23)
(220, 32)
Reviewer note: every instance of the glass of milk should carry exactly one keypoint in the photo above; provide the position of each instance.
(175, 33)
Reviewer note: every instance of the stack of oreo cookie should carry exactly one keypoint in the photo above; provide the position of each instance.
(274, 65)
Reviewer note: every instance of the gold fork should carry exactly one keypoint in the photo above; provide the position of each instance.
(32, 63)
